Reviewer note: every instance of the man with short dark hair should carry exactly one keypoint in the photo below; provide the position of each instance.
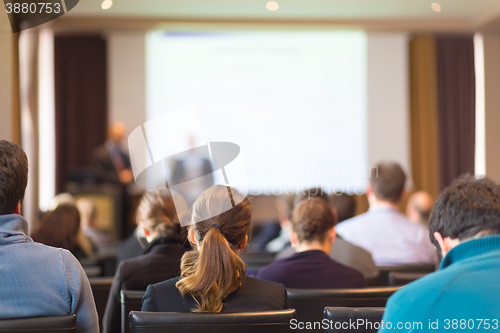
(35, 279)
(386, 233)
(342, 251)
(463, 294)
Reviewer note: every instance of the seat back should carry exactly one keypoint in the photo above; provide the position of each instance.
(247, 322)
(130, 300)
(58, 324)
(100, 289)
(402, 278)
(356, 320)
(383, 277)
(310, 303)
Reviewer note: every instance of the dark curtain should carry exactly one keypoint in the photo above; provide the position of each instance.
(456, 107)
(81, 102)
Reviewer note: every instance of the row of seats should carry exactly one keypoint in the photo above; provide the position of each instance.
(173, 322)
(395, 275)
(308, 303)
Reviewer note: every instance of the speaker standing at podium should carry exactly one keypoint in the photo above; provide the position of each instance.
(111, 165)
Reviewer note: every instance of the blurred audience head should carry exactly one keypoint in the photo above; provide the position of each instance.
(468, 208)
(88, 212)
(344, 204)
(419, 207)
(313, 221)
(214, 269)
(116, 132)
(316, 192)
(387, 182)
(61, 198)
(159, 216)
(13, 177)
(60, 227)
(284, 204)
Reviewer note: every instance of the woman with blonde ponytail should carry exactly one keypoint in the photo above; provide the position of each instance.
(213, 277)
(160, 221)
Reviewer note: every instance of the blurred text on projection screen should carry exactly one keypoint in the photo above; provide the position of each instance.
(295, 102)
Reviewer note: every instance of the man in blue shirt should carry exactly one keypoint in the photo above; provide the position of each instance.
(35, 280)
(464, 293)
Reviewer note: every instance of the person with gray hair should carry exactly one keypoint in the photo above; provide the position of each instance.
(386, 233)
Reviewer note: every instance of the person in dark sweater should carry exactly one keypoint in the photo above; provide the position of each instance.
(313, 234)
(160, 260)
(213, 275)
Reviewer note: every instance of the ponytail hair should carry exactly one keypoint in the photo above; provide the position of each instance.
(215, 270)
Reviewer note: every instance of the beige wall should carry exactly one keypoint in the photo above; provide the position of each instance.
(6, 71)
(388, 100)
(492, 104)
(127, 78)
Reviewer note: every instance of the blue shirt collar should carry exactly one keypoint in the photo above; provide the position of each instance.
(471, 248)
(13, 229)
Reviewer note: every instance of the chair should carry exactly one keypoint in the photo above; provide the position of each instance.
(402, 278)
(130, 300)
(255, 262)
(339, 319)
(383, 278)
(371, 279)
(310, 303)
(58, 324)
(100, 289)
(247, 322)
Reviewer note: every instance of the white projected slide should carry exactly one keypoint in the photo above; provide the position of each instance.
(295, 102)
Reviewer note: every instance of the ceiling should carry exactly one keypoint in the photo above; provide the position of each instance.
(293, 9)
(455, 15)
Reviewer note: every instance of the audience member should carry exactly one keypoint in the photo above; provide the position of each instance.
(83, 241)
(419, 207)
(313, 234)
(344, 204)
(60, 228)
(160, 221)
(464, 292)
(213, 276)
(342, 251)
(35, 279)
(387, 234)
(284, 204)
(133, 246)
(89, 223)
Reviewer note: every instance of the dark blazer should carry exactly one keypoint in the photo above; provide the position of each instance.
(252, 295)
(103, 167)
(312, 270)
(160, 261)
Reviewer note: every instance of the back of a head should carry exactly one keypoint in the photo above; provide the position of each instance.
(468, 208)
(419, 207)
(13, 176)
(344, 204)
(60, 227)
(215, 269)
(312, 219)
(388, 181)
(316, 192)
(158, 213)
